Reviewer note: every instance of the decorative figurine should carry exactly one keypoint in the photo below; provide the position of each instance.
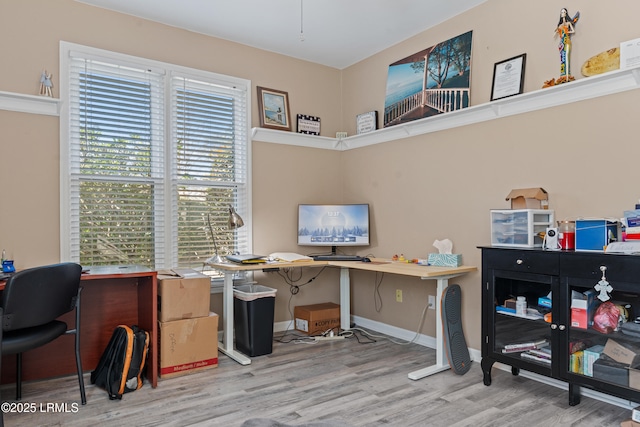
(564, 30)
(45, 84)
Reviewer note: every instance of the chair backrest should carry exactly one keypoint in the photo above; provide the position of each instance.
(39, 295)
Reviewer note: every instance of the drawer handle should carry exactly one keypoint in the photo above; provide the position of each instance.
(519, 262)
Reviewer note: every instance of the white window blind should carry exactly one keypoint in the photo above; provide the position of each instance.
(155, 159)
(210, 167)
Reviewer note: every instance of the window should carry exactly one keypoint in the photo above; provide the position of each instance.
(152, 156)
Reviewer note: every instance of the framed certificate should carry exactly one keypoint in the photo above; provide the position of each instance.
(508, 77)
(367, 122)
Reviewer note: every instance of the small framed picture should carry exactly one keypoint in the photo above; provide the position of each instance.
(273, 107)
(366, 122)
(308, 124)
(508, 77)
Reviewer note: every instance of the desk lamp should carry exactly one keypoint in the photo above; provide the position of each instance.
(235, 221)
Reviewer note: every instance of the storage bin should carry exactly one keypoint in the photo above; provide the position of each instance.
(595, 234)
(253, 312)
(520, 228)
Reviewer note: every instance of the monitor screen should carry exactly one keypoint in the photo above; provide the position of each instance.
(333, 225)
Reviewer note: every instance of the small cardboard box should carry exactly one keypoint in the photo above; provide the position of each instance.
(188, 345)
(317, 318)
(582, 309)
(445, 260)
(632, 218)
(634, 379)
(620, 353)
(529, 198)
(595, 234)
(183, 294)
(590, 356)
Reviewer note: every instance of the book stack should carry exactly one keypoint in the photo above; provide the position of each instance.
(538, 351)
(541, 355)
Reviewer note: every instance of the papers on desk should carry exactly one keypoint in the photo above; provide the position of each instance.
(288, 257)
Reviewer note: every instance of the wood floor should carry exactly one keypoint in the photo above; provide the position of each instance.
(358, 384)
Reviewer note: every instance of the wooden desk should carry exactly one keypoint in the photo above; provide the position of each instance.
(111, 295)
(440, 274)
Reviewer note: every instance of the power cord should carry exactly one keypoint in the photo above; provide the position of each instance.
(413, 340)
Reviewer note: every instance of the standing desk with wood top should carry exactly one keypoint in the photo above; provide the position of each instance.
(440, 274)
(111, 295)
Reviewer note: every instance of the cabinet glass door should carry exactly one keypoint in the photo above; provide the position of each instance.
(523, 335)
(604, 336)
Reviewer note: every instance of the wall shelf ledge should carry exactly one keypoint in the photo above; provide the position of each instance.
(575, 91)
(33, 104)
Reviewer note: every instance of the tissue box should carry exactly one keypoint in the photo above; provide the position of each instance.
(445, 260)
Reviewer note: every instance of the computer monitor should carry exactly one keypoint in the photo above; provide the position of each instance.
(333, 225)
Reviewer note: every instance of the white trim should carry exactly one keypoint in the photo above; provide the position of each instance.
(33, 104)
(578, 90)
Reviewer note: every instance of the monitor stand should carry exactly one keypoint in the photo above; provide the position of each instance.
(335, 256)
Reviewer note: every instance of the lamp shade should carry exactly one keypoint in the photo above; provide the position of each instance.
(235, 221)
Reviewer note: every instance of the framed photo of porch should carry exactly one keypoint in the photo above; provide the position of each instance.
(432, 81)
(273, 108)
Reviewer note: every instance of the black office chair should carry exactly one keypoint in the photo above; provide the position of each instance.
(31, 302)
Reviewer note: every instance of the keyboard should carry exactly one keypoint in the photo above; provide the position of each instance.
(337, 258)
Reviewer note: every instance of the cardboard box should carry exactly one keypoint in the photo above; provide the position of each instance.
(544, 302)
(621, 354)
(529, 198)
(316, 319)
(590, 356)
(634, 379)
(595, 234)
(629, 423)
(582, 309)
(188, 345)
(445, 260)
(632, 219)
(183, 294)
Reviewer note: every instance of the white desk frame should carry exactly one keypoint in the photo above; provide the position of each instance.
(440, 274)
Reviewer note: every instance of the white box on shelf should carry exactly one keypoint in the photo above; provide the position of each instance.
(520, 228)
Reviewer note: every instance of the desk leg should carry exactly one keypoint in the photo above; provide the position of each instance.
(226, 345)
(441, 364)
(345, 299)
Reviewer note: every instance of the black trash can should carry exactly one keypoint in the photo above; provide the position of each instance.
(253, 307)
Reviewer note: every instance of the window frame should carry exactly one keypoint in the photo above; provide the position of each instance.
(169, 239)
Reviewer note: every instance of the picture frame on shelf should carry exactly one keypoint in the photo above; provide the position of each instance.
(273, 108)
(508, 77)
(366, 122)
(309, 125)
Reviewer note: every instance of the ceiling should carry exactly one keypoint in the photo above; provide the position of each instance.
(335, 33)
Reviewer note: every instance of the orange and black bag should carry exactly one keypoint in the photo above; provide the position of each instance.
(121, 366)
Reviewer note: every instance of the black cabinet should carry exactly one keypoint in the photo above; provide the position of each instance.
(548, 338)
